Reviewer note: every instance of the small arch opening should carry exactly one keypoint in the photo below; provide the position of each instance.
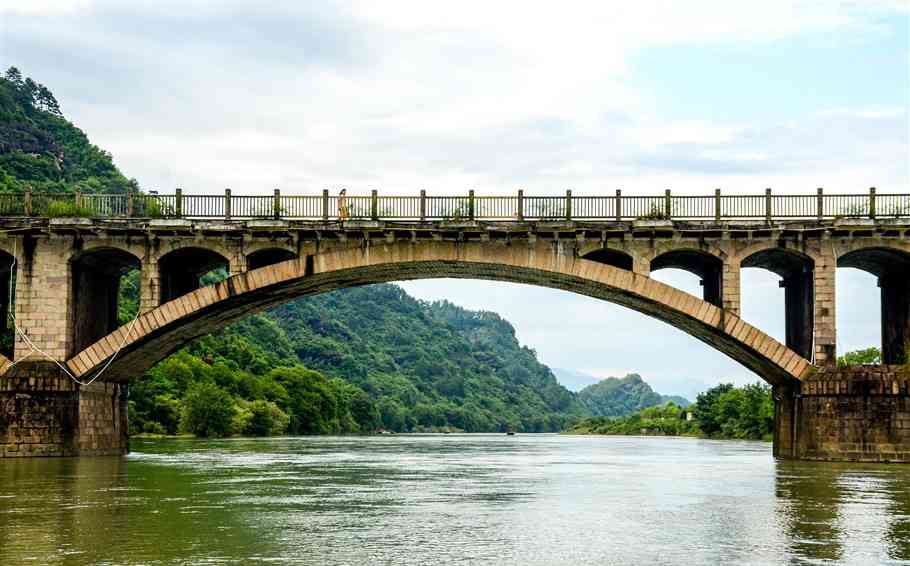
(616, 258)
(268, 256)
(185, 270)
(7, 302)
(706, 267)
(891, 269)
(797, 279)
(105, 291)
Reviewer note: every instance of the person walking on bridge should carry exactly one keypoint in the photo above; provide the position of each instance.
(343, 205)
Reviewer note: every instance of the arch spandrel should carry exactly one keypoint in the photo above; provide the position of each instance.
(160, 332)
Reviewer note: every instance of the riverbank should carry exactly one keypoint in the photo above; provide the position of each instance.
(722, 412)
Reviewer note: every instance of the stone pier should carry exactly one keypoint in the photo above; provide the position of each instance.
(45, 413)
(859, 414)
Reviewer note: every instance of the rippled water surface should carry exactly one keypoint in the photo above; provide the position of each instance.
(452, 499)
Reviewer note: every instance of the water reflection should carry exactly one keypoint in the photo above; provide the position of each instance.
(856, 513)
(529, 500)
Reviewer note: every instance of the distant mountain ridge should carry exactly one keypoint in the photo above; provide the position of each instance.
(616, 397)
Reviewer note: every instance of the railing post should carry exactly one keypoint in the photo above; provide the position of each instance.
(717, 206)
(618, 205)
(28, 201)
(471, 204)
(768, 206)
(521, 205)
(276, 205)
(178, 203)
(423, 205)
(820, 204)
(130, 205)
(668, 210)
(568, 205)
(872, 202)
(77, 198)
(325, 204)
(374, 205)
(227, 204)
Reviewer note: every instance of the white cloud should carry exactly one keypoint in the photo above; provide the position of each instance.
(43, 7)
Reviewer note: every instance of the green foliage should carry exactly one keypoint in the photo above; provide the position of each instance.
(614, 397)
(869, 356)
(208, 410)
(41, 150)
(723, 411)
(266, 419)
(64, 209)
(668, 420)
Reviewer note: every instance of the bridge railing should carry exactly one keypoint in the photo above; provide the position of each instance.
(327, 206)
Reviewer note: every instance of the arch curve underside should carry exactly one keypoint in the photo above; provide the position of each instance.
(165, 329)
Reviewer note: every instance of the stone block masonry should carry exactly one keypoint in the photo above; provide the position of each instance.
(859, 414)
(45, 413)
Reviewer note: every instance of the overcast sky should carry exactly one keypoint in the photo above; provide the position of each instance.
(497, 96)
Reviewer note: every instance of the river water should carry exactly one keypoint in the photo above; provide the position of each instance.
(452, 499)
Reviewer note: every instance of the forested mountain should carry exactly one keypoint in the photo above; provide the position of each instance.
(421, 366)
(40, 149)
(615, 397)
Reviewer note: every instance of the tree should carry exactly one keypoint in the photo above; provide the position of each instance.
(14, 76)
(47, 101)
(207, 410)
(706, 409)
(869, 356)
(266, 419)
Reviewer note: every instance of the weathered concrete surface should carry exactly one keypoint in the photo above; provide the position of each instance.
(44, 413)
(859, 414)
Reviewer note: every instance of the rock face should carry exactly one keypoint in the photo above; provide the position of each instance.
(859, 414)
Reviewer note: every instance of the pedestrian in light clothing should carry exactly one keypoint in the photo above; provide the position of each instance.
(343, 205)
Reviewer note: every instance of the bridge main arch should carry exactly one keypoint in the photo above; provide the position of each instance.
(165, 329)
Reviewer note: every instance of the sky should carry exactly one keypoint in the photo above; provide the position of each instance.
(402, 96)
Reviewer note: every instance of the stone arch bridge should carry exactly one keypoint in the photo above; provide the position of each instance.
(67, 270)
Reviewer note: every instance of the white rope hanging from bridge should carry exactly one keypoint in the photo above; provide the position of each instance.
(35, 349)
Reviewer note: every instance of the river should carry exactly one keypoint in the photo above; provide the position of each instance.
(452, 499)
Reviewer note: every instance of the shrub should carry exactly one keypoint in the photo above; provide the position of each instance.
(63, 209)
(266, 419)
(207, 410)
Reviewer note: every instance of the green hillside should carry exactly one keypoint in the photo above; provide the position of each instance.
(40, 149)
(421, 366)
(616, 397)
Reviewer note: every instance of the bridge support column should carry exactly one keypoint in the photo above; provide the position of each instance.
(149, 286)
(895, 298)
(730, 286)
(857, 414)
(824, 333)
(785, 404)
(44, 413)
